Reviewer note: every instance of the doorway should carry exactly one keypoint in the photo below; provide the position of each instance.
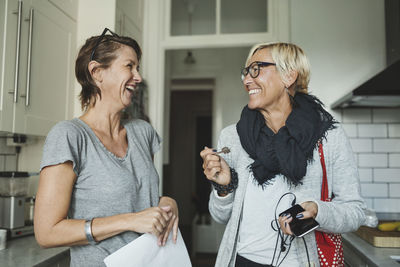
(190, 130)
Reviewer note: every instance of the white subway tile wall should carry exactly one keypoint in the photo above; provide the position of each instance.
(386, 204)
(365, 174)
(369, 202)
(374, 190)
(375, 138)
(394, 190)
(372, 130)
(357, 115)
(350, 129)
(394, 160)
(394, 130)
(389, 175)
(387, 145)
(385, 115)
(361, 145)
(372, 160)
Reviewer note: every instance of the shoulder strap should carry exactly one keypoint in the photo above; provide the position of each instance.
(324, 188)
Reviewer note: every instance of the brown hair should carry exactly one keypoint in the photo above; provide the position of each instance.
(105, 54)
(288, 57)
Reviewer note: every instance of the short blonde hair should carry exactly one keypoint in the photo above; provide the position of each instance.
(288, 57)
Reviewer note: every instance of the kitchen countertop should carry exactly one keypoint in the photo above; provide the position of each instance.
(375, 256)
(25, 251)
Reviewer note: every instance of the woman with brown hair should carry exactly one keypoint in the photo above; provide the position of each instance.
(98, 186)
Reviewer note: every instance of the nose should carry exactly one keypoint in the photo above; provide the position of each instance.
(137, 77)
(247, 79)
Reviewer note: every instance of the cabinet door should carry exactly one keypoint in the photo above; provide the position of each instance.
(8, 45)
(52, 65)
(70, 7)
(129, 20)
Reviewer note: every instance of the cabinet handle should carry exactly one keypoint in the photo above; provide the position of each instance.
(17, 52)
(121, 23)
(28, 72)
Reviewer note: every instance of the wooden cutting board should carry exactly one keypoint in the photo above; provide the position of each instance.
(378, 238)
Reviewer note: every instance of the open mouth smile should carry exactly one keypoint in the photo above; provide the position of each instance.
(254, 91)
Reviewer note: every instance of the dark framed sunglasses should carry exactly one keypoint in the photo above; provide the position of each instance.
(254, 69)
(102, 36)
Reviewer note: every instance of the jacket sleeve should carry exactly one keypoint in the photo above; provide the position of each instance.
(345, 212)
(221, 207)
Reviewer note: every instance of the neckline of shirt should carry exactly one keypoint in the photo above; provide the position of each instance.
(92, 133)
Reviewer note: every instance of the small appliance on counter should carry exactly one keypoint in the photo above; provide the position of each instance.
(13, 194)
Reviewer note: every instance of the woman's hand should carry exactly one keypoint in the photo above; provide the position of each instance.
(173, 213)
(153, 220)
(215, 167)
(310, 211)
(284, 221)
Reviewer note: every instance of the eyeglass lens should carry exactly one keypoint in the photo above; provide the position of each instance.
(253, 69)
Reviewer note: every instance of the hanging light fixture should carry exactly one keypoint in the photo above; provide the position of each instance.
(189, 59)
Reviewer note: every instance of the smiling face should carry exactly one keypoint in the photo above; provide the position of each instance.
(266, 90)
(121, 79)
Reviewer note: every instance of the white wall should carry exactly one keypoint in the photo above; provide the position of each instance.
(344, 40)
(93, 17)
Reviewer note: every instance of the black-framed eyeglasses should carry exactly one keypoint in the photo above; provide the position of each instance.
(254, 69)
(100, 39)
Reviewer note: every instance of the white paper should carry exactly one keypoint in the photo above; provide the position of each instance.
(144, 251)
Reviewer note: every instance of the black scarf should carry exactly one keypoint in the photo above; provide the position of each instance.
(288, 151)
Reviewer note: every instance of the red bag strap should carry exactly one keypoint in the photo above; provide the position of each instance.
(324, 189)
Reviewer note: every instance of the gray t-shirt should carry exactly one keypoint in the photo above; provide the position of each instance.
(106, 185)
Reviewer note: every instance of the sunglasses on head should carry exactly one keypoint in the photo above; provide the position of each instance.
(100, 39)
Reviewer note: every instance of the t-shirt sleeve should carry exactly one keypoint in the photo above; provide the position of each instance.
(62, 145)
(146, 135)
(155, 139)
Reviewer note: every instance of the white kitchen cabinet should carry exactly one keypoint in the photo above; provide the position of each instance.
(44, 72)
(8, 44)
(129, 19)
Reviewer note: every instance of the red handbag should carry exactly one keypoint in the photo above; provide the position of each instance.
(330, 246)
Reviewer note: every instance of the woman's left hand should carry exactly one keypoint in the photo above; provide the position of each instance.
(173, 221)
(310, 211)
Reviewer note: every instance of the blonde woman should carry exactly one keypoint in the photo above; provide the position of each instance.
(274, 163)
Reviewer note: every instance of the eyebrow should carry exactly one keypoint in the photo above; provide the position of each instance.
(132, 61)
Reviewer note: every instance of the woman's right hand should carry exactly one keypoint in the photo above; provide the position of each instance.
(215, 167)
(152, 220)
